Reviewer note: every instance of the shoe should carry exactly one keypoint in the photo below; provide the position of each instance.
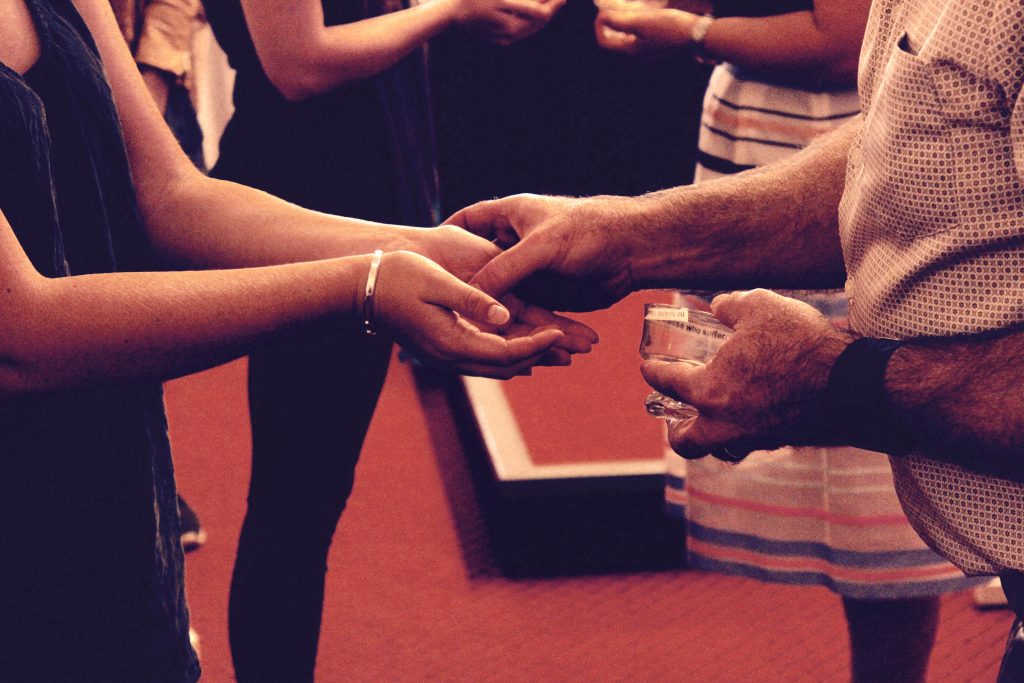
(990, 595)
(193, 535)
(193, 638)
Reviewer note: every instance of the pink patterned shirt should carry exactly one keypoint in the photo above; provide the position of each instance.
(932, 226)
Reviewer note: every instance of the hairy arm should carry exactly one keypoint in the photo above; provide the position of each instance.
(961, 399)
(775, 226)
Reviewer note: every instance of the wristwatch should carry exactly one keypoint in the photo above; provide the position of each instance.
(698, 34)
(856, 403)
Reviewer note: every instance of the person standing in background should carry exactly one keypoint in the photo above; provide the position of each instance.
(333, 113)
(785, 74)
(159, 34)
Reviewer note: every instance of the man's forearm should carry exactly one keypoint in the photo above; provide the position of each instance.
(961, 400)
(775, 226)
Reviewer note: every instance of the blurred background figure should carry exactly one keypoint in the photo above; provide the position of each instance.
(333, 113)
(160, 34)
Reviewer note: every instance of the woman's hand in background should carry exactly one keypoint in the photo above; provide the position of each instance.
(506, 21)
(644, 30)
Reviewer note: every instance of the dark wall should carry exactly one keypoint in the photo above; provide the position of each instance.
(556, 114)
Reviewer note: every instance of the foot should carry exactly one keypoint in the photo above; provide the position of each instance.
(989, 595)
(193, 534)
(193, 638)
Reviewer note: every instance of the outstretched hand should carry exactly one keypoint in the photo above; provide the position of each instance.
(765, 386)
(506, 21)
(443, 320)
(644, 31)
(464, 254)
(562, 253)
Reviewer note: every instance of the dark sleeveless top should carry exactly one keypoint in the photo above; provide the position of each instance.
(91, 578)
(363, 149)
(758, 8)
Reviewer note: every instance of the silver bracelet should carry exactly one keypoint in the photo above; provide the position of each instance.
(371, 288)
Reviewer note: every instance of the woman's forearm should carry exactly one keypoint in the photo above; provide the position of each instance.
(200, 222)
(823, 43)
(302, 57)
(96, 330)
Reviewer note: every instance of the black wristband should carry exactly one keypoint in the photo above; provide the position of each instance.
(855, 400)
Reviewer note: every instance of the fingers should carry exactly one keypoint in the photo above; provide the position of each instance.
(579, 338)
(610, 39)
(556, 357)
(505, 220)
(700, 436)
(731, 307)
(489, 219)
(735, 308)
(625, 21)
(537, 12)
(470, 302)
(483, 218)
(521, 368)
(678, 380)
(511, 267)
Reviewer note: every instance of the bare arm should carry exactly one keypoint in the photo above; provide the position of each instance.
(121, 327)
(773, 226)
(776, 226)
(302, 57)
(960, 400)
(101, 329)
(822, 43)
(198, 222)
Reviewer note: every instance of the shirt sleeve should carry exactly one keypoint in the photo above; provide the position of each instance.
(165, 39)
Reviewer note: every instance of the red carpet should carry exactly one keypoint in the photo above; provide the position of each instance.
(412, 595)
(602, 391)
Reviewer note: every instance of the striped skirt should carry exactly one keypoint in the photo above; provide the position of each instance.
(813, 516)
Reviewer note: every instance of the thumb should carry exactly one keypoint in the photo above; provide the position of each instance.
(736, 308)
(729, 307)
(470, 302)
(509, 268)
(625, 21)
(483, 218)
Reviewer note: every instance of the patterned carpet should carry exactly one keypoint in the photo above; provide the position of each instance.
(413, 595)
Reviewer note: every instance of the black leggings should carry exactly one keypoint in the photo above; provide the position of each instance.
(311, 400)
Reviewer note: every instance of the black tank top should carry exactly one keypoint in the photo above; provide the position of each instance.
(362, 149)
(91, 582)
(759, 8)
